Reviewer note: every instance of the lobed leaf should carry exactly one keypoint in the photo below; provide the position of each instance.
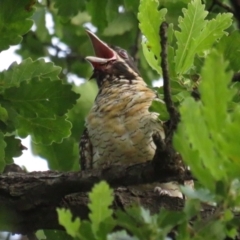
(43, 98)
(14, 21)
(191, 25)
(61, 157)
(44, 130)
(152, 61)
(201, 137)
(65, 219)
(213, 31)
(215, 93)
(150, 19)
(13, 148)
(197, 34)
(28, 70)
(193, 142)
(230, 47)
(100, 200)
(70, 8)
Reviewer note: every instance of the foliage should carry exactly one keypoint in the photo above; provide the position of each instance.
(39, 98)
(101, 220)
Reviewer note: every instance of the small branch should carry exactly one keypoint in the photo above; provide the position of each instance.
(41, 185)
(173, 113)
(28, 201)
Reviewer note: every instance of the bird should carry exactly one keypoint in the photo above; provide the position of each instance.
(119, 126)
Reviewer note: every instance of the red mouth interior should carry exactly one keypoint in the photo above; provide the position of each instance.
(100, 48)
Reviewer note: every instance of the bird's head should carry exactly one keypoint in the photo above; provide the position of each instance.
(110, 63)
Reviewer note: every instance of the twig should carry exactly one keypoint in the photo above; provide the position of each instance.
(173, 113)
(165, 156)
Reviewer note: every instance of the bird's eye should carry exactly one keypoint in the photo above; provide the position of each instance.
(123, 54)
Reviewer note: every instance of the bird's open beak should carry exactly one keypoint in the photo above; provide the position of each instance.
(102, 51)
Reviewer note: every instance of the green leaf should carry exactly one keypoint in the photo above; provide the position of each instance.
(2, 152)
(201, 137)
(122, 23)
(70, 8)
(192, 208)
(169, 219)
(28, 70)
(99, 18)
(44, 130)
(13, 149)
(232, 137)
(130, 220)
(61, 157)
(150, 19)
(86, 232)
(160, 107)
(151, 59)
(65, 219)
(14, 21)
(40, 21)
(197, 34)
(213, 31)
(191, 25)
(100, 200)
(214, 90)
(193, 142)
(43, 98)
(3, 114)
(77, 114)
(230, 47)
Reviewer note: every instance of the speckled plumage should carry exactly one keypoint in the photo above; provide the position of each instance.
(120, 125)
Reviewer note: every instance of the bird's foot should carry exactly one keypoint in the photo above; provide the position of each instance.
(162, 192)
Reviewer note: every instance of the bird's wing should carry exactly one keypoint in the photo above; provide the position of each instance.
(86, 158)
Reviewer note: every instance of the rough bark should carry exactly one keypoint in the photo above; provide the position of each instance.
(28, 201)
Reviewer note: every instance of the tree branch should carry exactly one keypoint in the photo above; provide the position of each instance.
(16, 219)
(28, 201)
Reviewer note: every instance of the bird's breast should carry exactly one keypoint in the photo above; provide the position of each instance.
(120, 126)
